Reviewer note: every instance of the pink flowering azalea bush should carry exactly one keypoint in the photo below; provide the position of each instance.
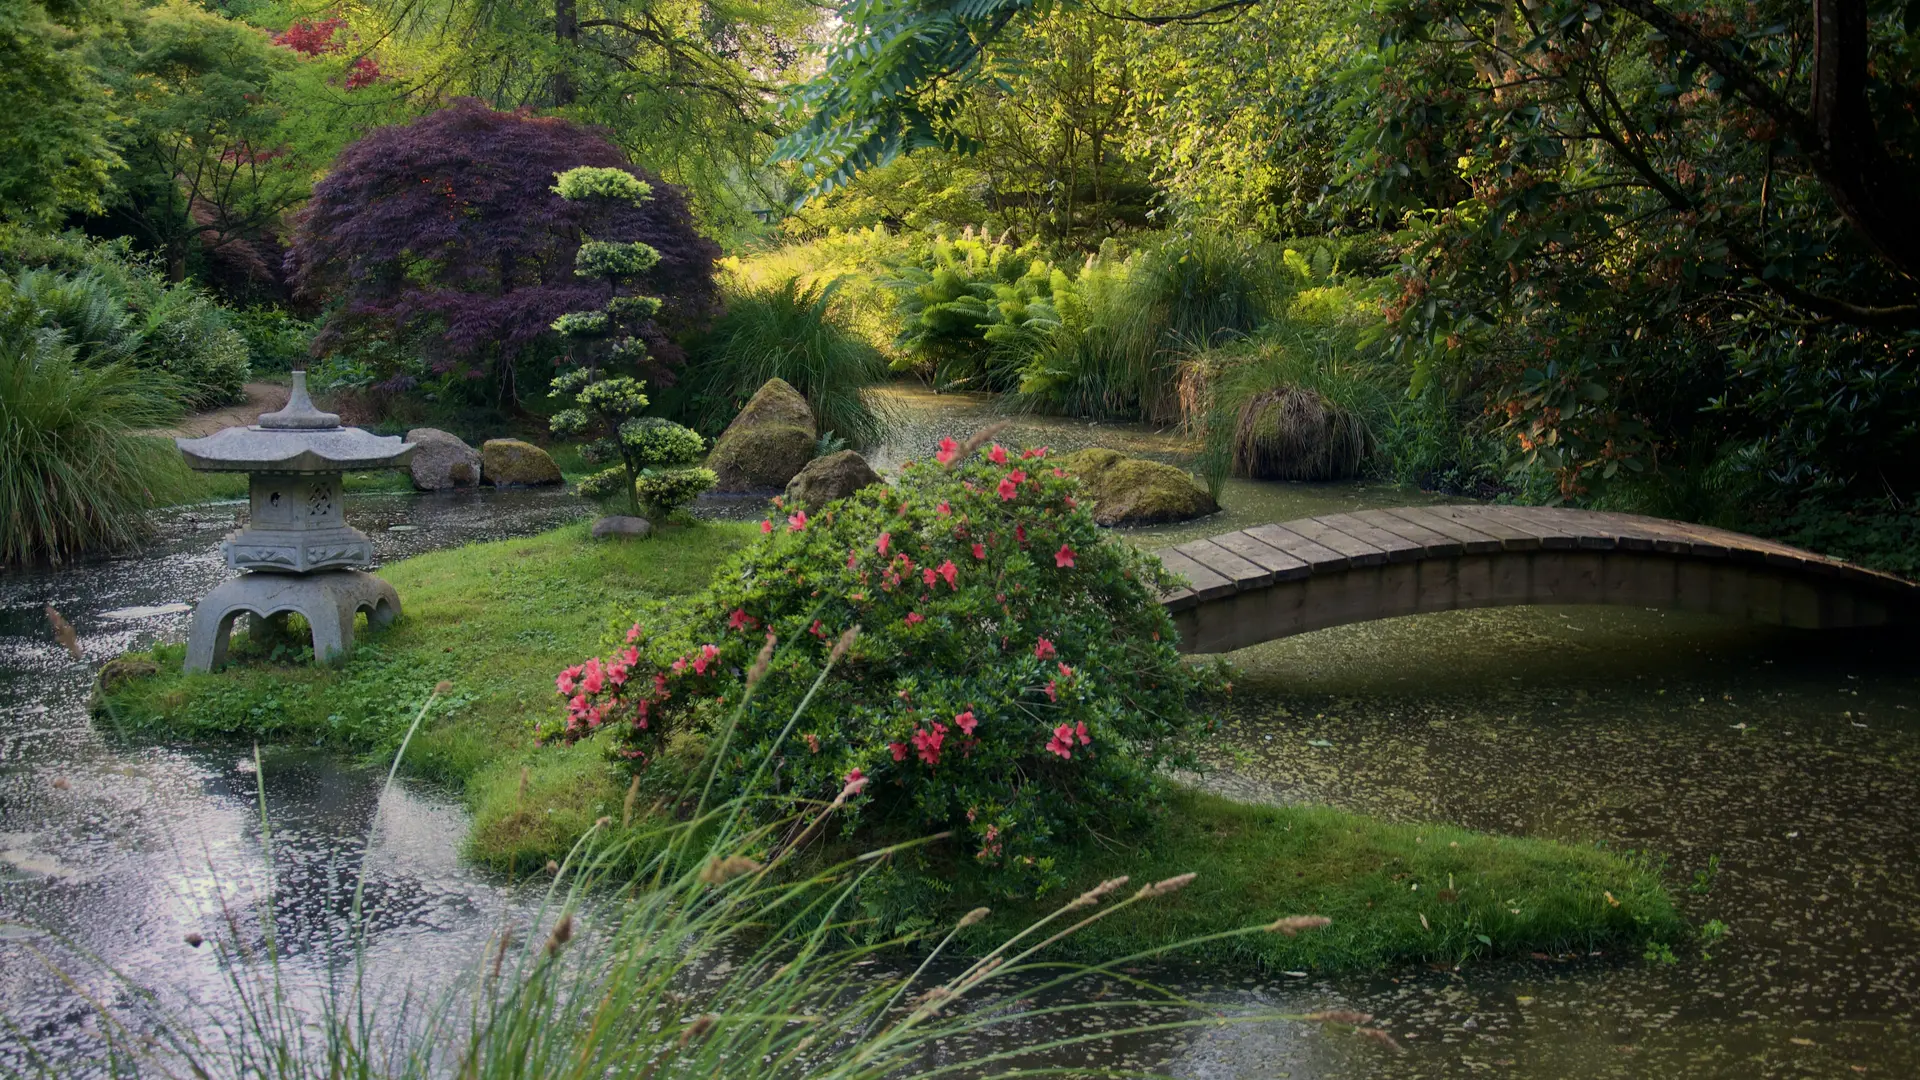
(1014, 679)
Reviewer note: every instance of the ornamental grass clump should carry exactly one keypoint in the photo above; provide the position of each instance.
(1013, 678)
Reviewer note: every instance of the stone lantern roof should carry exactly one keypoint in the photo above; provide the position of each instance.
(297, 439)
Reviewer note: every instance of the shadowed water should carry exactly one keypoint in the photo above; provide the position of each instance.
(1791, 757)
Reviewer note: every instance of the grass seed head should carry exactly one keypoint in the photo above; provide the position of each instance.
(1293, 924)
(1170, 885)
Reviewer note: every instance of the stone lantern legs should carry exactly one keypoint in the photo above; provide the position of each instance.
(328, 599)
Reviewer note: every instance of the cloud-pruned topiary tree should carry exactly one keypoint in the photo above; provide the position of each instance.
(448, 231)
(654, 454)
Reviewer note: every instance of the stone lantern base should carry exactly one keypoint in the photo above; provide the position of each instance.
(328, 600)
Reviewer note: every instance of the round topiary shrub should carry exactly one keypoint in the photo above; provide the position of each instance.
(1013, 678)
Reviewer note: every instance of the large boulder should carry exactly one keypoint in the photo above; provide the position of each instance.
(1133, 491)
(513, 463)
(767, 444)
(440, 460)
(834, 476)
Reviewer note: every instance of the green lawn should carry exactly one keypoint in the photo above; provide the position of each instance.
(498, 620)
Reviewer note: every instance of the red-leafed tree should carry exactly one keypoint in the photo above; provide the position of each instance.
(446, 233)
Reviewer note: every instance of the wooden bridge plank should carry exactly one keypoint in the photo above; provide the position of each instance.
(1399, 548)
(1244, 575)
(1358, 552)
(1285, 567)
(1433, 543)
(1470, 540)
(1206, 584)
(1511, 536)
(1558, 531)
(1319, 558)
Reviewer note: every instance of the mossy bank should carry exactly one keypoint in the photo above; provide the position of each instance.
(496, 620)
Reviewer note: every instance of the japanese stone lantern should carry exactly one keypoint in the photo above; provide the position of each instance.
(297, 551)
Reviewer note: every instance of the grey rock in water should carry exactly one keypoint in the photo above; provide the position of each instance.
(514, 463)
(834, 476)
(767, 444)
(622, 525)
(441, 460)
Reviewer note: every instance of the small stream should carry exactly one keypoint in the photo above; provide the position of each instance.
(1790, 762)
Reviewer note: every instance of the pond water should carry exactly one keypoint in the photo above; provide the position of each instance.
(1787, 762)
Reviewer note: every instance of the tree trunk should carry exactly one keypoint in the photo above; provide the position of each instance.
(566, 29)
(1867, 186)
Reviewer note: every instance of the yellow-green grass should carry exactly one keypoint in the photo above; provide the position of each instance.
(1480, 895)
(498, 620)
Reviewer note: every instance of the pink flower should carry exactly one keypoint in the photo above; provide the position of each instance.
(633, 634)
(815, 629)
(951, 573)
(617, 674)
(594, 681)
(708, 654)
(881, 544)
(1065, 671)
(997, 455)
(766, 527)
(853, 559)
(943, 509)
(899, 750)
(1080, 731)
(927, 743)
(740, 620)
(632, 656)
(797, 520)
(1072, 502)
(1062, 742)
(965, 721)
(948, 451)
(1020, 532)
(813, 741)
(1009, 487)
(979, 551)
(928, 577)
(1034, 452)
(856, 782)
(1043, 649)
(1059, 472)
(564, 682)
(1064, 557)
(914, 618)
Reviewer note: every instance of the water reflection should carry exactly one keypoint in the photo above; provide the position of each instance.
(1791, 758)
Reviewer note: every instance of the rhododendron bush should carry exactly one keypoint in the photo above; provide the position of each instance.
(1014, 678)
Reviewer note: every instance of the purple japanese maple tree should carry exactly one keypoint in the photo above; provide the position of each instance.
(446, 233)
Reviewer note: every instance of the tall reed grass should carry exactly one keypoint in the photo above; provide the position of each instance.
(680, 945)
(74, 474)
(787, 329)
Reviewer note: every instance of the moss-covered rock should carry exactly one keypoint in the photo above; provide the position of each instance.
(513, 463)
(834, 476)
(768, 444)
(1135, 491)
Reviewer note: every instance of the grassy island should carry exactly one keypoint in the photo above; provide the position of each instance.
(496, 620)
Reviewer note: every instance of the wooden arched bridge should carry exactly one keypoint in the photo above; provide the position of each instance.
(1273, 581)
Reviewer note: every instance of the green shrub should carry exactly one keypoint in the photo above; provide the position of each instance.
(1014, 680)
(73, 475)
(972, 311)
(113, 306)
(787, 329)
(1129, 325)
(276, 339)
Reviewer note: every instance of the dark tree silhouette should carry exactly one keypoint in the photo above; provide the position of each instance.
(447, 232)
